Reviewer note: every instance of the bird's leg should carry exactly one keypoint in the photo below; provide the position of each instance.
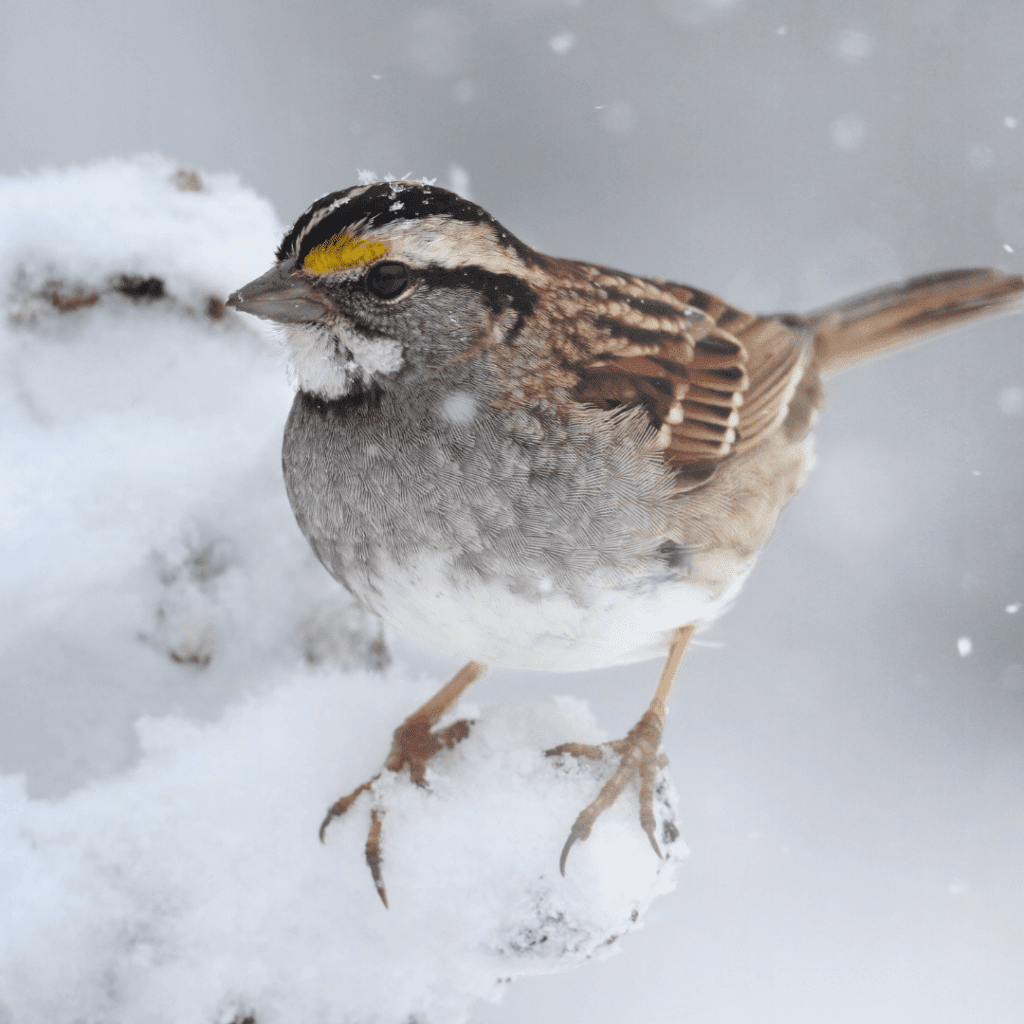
(639, 754)
(414, 744)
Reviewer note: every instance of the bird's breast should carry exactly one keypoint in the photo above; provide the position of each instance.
(509, 538)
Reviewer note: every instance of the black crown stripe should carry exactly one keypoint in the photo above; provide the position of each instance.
(383, 203)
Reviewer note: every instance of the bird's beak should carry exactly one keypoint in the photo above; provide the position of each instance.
(277, 295)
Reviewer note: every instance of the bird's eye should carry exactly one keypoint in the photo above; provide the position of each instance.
(386, 280)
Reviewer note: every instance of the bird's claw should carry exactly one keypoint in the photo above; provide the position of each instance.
(373, 852)
(339, 807)
(413, 746)
(639, 756)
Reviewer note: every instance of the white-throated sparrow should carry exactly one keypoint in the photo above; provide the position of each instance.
(541, 463)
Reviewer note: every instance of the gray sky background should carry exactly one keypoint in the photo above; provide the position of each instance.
(852, 787)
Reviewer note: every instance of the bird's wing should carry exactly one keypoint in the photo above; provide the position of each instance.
(714, 380)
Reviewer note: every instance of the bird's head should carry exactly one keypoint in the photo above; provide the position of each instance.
(378, 277)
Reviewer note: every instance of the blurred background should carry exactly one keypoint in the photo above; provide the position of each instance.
(849, 742)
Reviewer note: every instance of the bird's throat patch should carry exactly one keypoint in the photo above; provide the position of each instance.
(343, 251)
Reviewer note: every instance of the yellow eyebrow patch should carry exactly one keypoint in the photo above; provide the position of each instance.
(343, 251)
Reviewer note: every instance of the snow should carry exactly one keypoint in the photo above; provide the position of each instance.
(1011, 401)
(848, 132)
(459, 407)
(458, 180)
(192, 888)
(853, 46)
(186, 690)
(562, 43)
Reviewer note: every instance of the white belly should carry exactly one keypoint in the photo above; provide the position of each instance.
(490, 624)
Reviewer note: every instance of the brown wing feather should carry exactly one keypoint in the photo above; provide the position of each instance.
(713, 379)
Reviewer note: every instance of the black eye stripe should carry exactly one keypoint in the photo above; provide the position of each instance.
(498, 291)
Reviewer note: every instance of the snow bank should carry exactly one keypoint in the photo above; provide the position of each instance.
(193, 888)
(186, 690)
(148, 559)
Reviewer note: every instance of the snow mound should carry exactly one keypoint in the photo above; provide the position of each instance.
(148, 559)
(193, 887)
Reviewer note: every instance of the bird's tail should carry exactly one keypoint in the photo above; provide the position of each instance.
(870, 324)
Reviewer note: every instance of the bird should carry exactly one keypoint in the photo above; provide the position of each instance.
(536, 462)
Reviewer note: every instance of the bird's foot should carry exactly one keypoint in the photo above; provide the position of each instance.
(639, 757)
(413, 745)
